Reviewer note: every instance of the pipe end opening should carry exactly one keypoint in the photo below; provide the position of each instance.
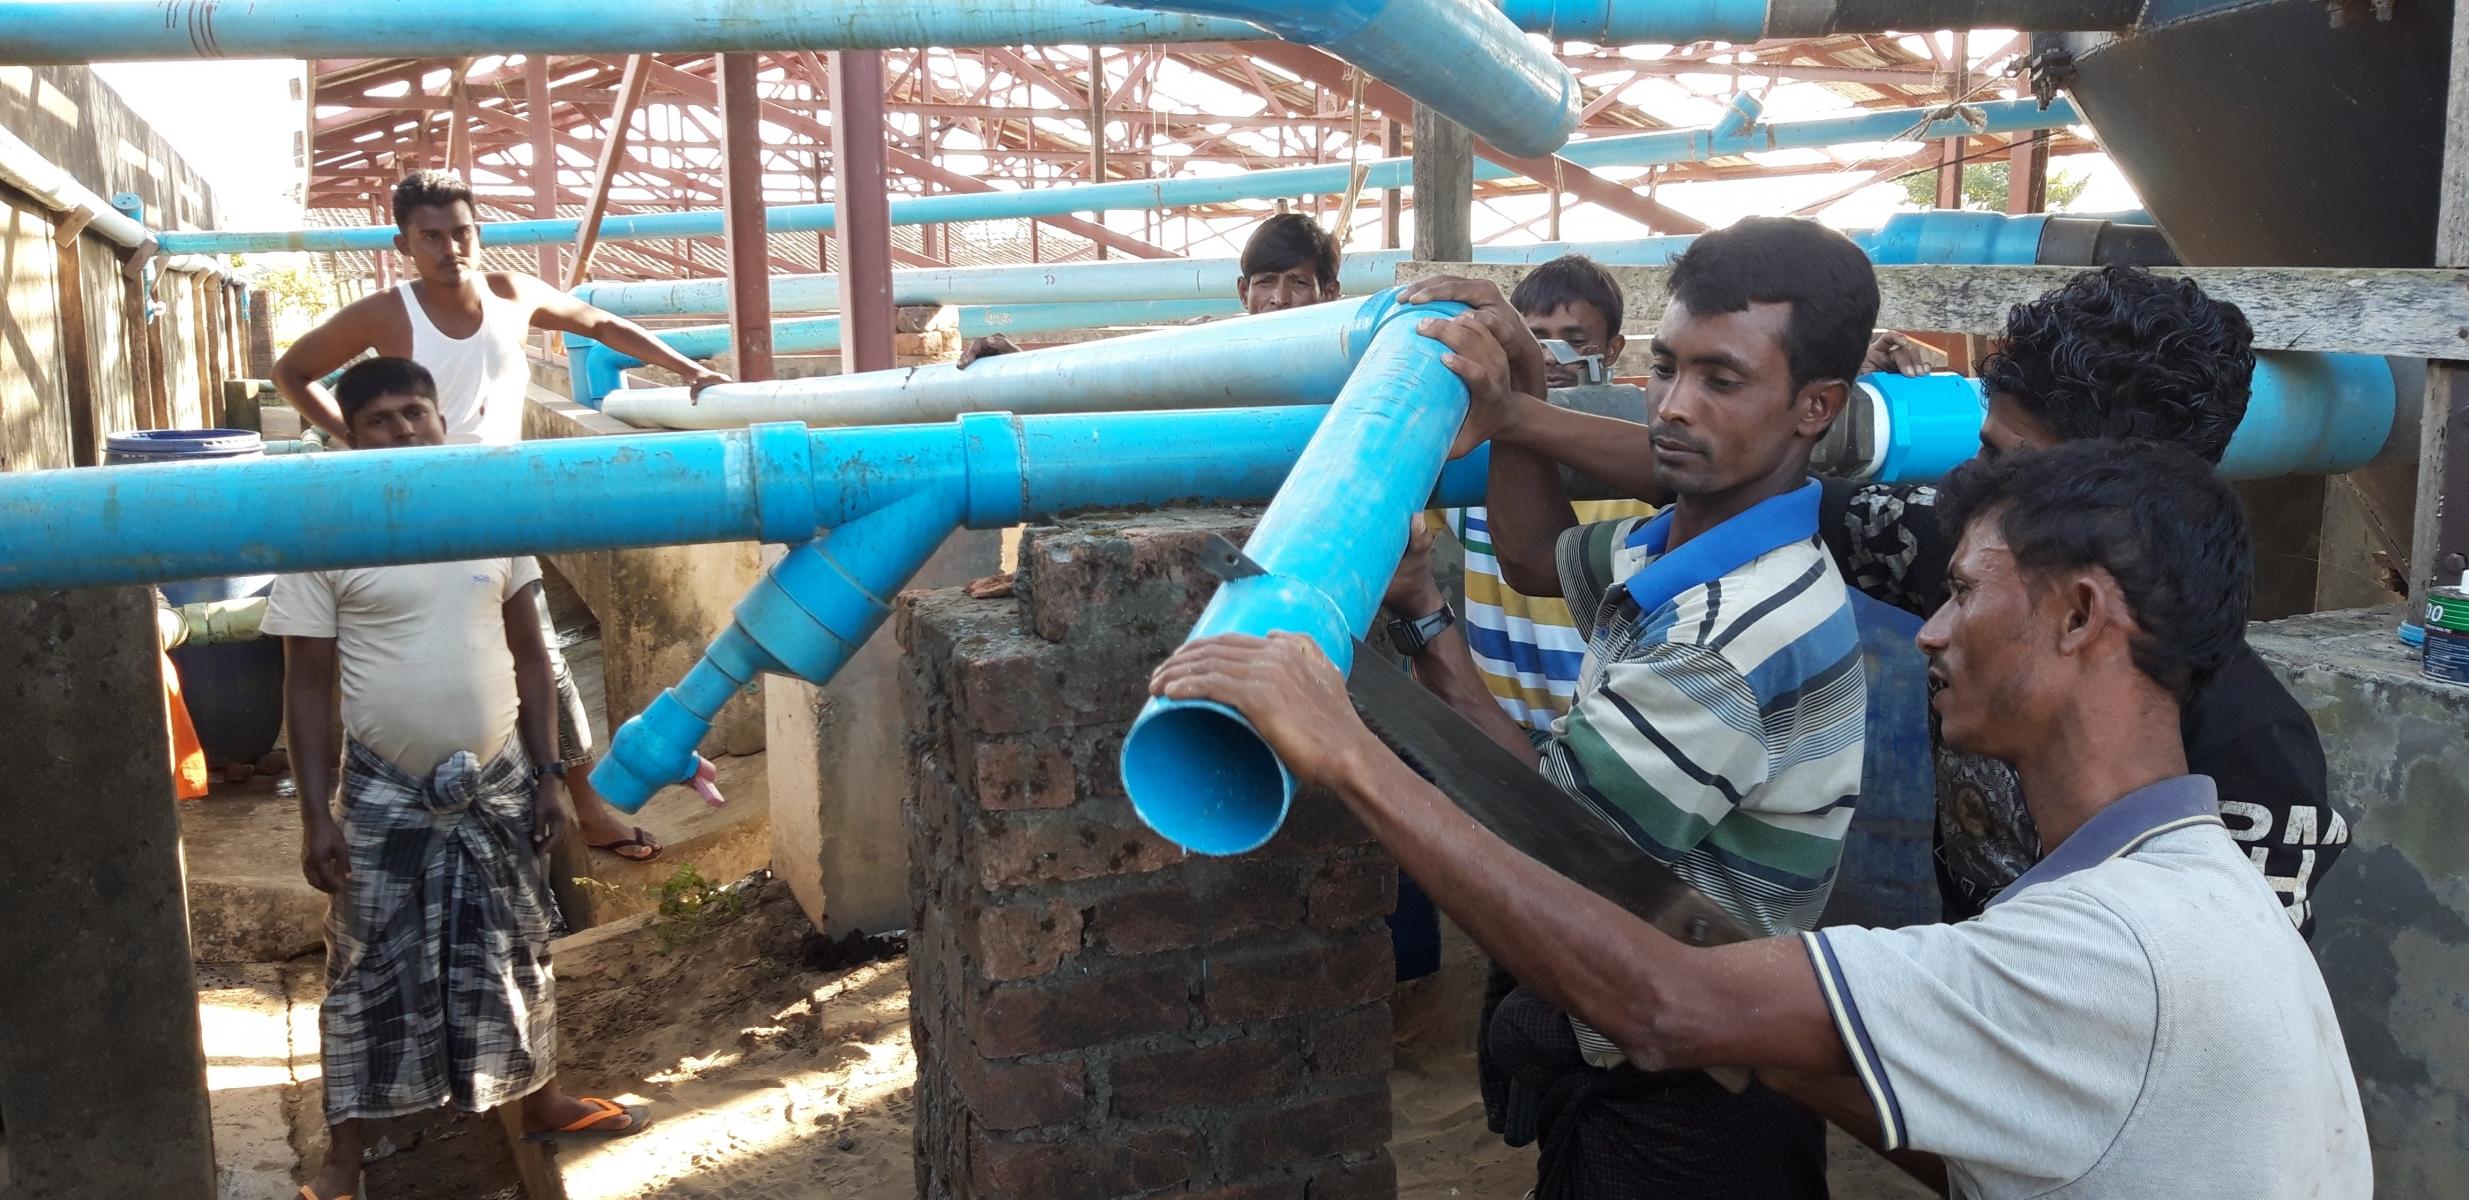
(1198, 775)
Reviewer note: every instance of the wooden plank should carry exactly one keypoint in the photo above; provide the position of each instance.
(533, 1165)
(2439, 536)
(1444, 181)
(76, 355)
(2412, 314)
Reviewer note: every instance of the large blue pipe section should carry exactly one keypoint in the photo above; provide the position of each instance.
(1197, 772)
(1739, 133)
(1459, 57)
(92, 31)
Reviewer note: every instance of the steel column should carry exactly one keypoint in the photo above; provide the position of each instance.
(864, 225)
(612, 152)
(544, 154)
(750, 295)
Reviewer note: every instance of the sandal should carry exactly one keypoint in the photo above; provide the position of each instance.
(601, 1123)
(638, 848)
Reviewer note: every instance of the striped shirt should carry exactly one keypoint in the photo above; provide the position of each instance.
(1721, 707)
(1527, 648)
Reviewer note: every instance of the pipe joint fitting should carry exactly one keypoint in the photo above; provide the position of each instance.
(780, 472)
(995, 461)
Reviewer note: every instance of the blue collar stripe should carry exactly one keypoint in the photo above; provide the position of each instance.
(1768, 525)
(2133, 819)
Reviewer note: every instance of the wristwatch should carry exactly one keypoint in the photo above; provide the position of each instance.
(1413, 637)
(543, 770)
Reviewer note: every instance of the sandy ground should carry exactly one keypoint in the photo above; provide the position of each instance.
(779, 1065)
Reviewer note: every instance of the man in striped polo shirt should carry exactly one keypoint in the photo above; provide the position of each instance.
(1720, 709)
(1529, 647)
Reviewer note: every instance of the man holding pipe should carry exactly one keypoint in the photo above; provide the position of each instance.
(1720, 709)
(2090, 1032)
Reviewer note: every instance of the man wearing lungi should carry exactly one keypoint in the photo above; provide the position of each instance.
(438, 989)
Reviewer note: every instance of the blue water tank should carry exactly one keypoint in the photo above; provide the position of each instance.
(235, 691)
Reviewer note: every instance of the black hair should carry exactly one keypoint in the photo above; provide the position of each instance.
(371, 378)
(1289, 240)
(2158, 519)
(1784, 260)
(423, 189)
(1570, 279)
(2121, 352)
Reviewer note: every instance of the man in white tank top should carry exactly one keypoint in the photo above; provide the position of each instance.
(466, 326)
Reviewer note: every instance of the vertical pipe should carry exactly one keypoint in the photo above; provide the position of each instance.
(1444, 184)
(750, 294)
(544, 154)
(864, 221)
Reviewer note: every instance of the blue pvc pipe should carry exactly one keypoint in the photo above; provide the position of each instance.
(1197, 772)
(1462, 59)
(775, 483)
(1736, 135)
(2307, 414)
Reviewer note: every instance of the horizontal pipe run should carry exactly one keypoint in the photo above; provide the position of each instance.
(1298, 356)
(1359, 274)
(91, 31)
(1735, 136)
(1459, 58)
(24, 168)
(96, 526)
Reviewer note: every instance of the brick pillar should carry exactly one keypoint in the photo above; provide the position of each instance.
(1096, 1013)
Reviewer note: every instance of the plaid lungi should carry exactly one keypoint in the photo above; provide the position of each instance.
(437, 949)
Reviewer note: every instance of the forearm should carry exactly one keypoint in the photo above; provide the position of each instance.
(310, 399)
(626, 337)
(315, 743)
(1447, 669)
(1619, 453)
(1524, 502)
(1842, 1100)
(535, 688)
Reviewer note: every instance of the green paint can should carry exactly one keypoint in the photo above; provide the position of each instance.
(2447, 608)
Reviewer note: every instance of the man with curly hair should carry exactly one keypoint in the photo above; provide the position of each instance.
(2115, 353)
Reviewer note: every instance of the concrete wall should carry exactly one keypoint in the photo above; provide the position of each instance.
(61, 370)
(2392, 918)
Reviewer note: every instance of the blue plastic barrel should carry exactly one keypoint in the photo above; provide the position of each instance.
(235, 691)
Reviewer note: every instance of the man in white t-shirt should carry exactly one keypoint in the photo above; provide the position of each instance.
(438, 987)
(2092, 1032)
(466, 327)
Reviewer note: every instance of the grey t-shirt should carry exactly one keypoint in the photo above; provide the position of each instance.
(2095, 1032)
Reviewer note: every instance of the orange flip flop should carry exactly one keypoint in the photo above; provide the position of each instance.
(608, 1119)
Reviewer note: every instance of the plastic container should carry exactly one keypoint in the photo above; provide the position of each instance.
(234, 691)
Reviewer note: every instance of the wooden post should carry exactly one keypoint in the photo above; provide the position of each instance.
(1392, 200)
(459, 135)
(1097, 125)
(750, 296)
(76, 351)
(2439, 538)
(1444, 183)
(863, 224)
(1950, 151)
(2027, 175)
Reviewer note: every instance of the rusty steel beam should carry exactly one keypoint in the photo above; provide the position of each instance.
(612, 151)
(862, 211)
(750, 293)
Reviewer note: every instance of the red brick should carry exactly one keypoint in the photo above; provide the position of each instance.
(1044, 1016)
(1350, 891)
(1196, 1076)
(1012, 1095)
(1351, 1122)
(1206, 903)
(1082, 1168)
(1342, 974)
(1016, 775)
(1368, 1177)
(1359, 1042)
(1018, 941)
(1019, 850)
